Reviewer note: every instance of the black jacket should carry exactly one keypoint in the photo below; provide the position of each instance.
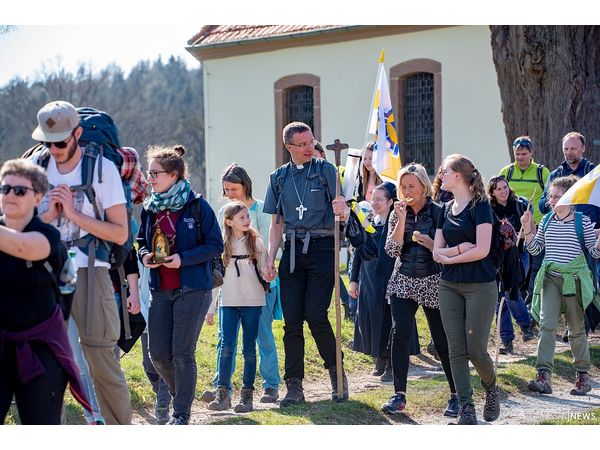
(417, 261)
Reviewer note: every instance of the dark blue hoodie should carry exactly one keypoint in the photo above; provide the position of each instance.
(196, 270)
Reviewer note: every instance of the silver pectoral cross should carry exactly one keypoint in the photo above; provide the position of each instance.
(301, 210)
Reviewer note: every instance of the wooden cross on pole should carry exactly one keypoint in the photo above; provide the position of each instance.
(337, 148)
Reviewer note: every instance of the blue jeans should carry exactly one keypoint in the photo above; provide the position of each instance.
(267, 350)
(174, 322)
(514, 307)
(84, 373)
(231, 316)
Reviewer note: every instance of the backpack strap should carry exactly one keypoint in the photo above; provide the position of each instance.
(195, 209)
(278, 189)
(323, 179)
(511, 171)
(540, 178)
(546, 221)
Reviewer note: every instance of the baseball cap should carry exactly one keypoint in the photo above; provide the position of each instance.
(56, 121)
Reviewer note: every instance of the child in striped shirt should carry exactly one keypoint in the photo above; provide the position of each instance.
(564, 284)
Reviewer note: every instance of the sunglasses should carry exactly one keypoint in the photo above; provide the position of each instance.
(61, 144)
(20, 191)
(522, 143)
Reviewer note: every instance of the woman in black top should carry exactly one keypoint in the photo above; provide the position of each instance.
(468, 291)
(30, 301)
(507, 205)
(415, 279)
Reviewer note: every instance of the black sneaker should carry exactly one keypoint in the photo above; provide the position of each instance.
(491, 409)
(466, 416)
(528, 334)
(453, 406)
(294, 394)
(380, 365)
(395, 405)
(507, 348)
(432, 350)
(179, 420)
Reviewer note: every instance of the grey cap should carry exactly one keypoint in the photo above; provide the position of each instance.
(56, 121)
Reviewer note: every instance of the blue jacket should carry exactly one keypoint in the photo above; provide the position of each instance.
(584, 167)
(196, 268)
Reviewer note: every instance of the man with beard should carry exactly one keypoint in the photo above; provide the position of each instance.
(69, 210)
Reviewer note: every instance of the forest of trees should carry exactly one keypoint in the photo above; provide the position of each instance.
(156, 103)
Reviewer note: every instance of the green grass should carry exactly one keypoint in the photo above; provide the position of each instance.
(588, 418)
(425, 396)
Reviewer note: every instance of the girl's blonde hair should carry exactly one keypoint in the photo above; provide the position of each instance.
(463, 165)
(418, 171)
(364, 173)
(229, 211)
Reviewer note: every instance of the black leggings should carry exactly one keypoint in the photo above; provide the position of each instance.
(403, 315)
(40, 400)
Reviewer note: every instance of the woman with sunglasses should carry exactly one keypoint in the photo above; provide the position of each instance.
(507, 205)
(35, 358)
(415, 280)
(237, 185)
(180, 283)
(467, 290)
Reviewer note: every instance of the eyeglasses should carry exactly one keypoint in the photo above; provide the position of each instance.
(446, 172)
(522, 143)
(61, 144)
(154, 173)
(20, 191)
(305, 144)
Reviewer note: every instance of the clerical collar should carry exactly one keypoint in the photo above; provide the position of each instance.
(302, 166)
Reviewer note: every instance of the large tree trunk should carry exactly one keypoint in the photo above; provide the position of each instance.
(549, 79)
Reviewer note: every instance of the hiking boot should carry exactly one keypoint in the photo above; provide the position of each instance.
(395, 404)
(162, 415)
(453, 406)
(208, 396)
(466, 416)
(541, 383)
(491, 409)
(583, 384)
(334, 385)
(179, 420)
(432, 350)
(294, 394)
(528, 334)
(388, 375)
(380, 365)
(270, 395)
(245, 403)
(507, 348)
(565, 335)
(222, 400)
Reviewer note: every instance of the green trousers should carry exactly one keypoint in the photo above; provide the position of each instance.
(552, 303)
(467, 312)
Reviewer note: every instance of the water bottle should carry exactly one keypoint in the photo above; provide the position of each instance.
(68, 275)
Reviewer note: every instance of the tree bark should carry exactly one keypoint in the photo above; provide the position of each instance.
(549, 80)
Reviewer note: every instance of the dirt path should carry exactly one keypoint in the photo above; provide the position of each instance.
(516, 408)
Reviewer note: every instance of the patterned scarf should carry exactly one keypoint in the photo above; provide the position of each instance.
(173, 200)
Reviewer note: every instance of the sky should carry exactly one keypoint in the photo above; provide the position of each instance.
(29, 51)
(63, 33)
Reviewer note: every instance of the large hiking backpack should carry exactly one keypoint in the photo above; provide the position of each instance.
(100, 138)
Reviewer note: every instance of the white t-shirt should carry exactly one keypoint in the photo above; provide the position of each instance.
(108, 193)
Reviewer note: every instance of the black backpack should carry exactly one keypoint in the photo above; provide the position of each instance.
(218, 269)
(497, 250)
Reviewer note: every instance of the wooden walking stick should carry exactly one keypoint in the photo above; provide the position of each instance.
(337, 148)
(520, 236)
(498, 334)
